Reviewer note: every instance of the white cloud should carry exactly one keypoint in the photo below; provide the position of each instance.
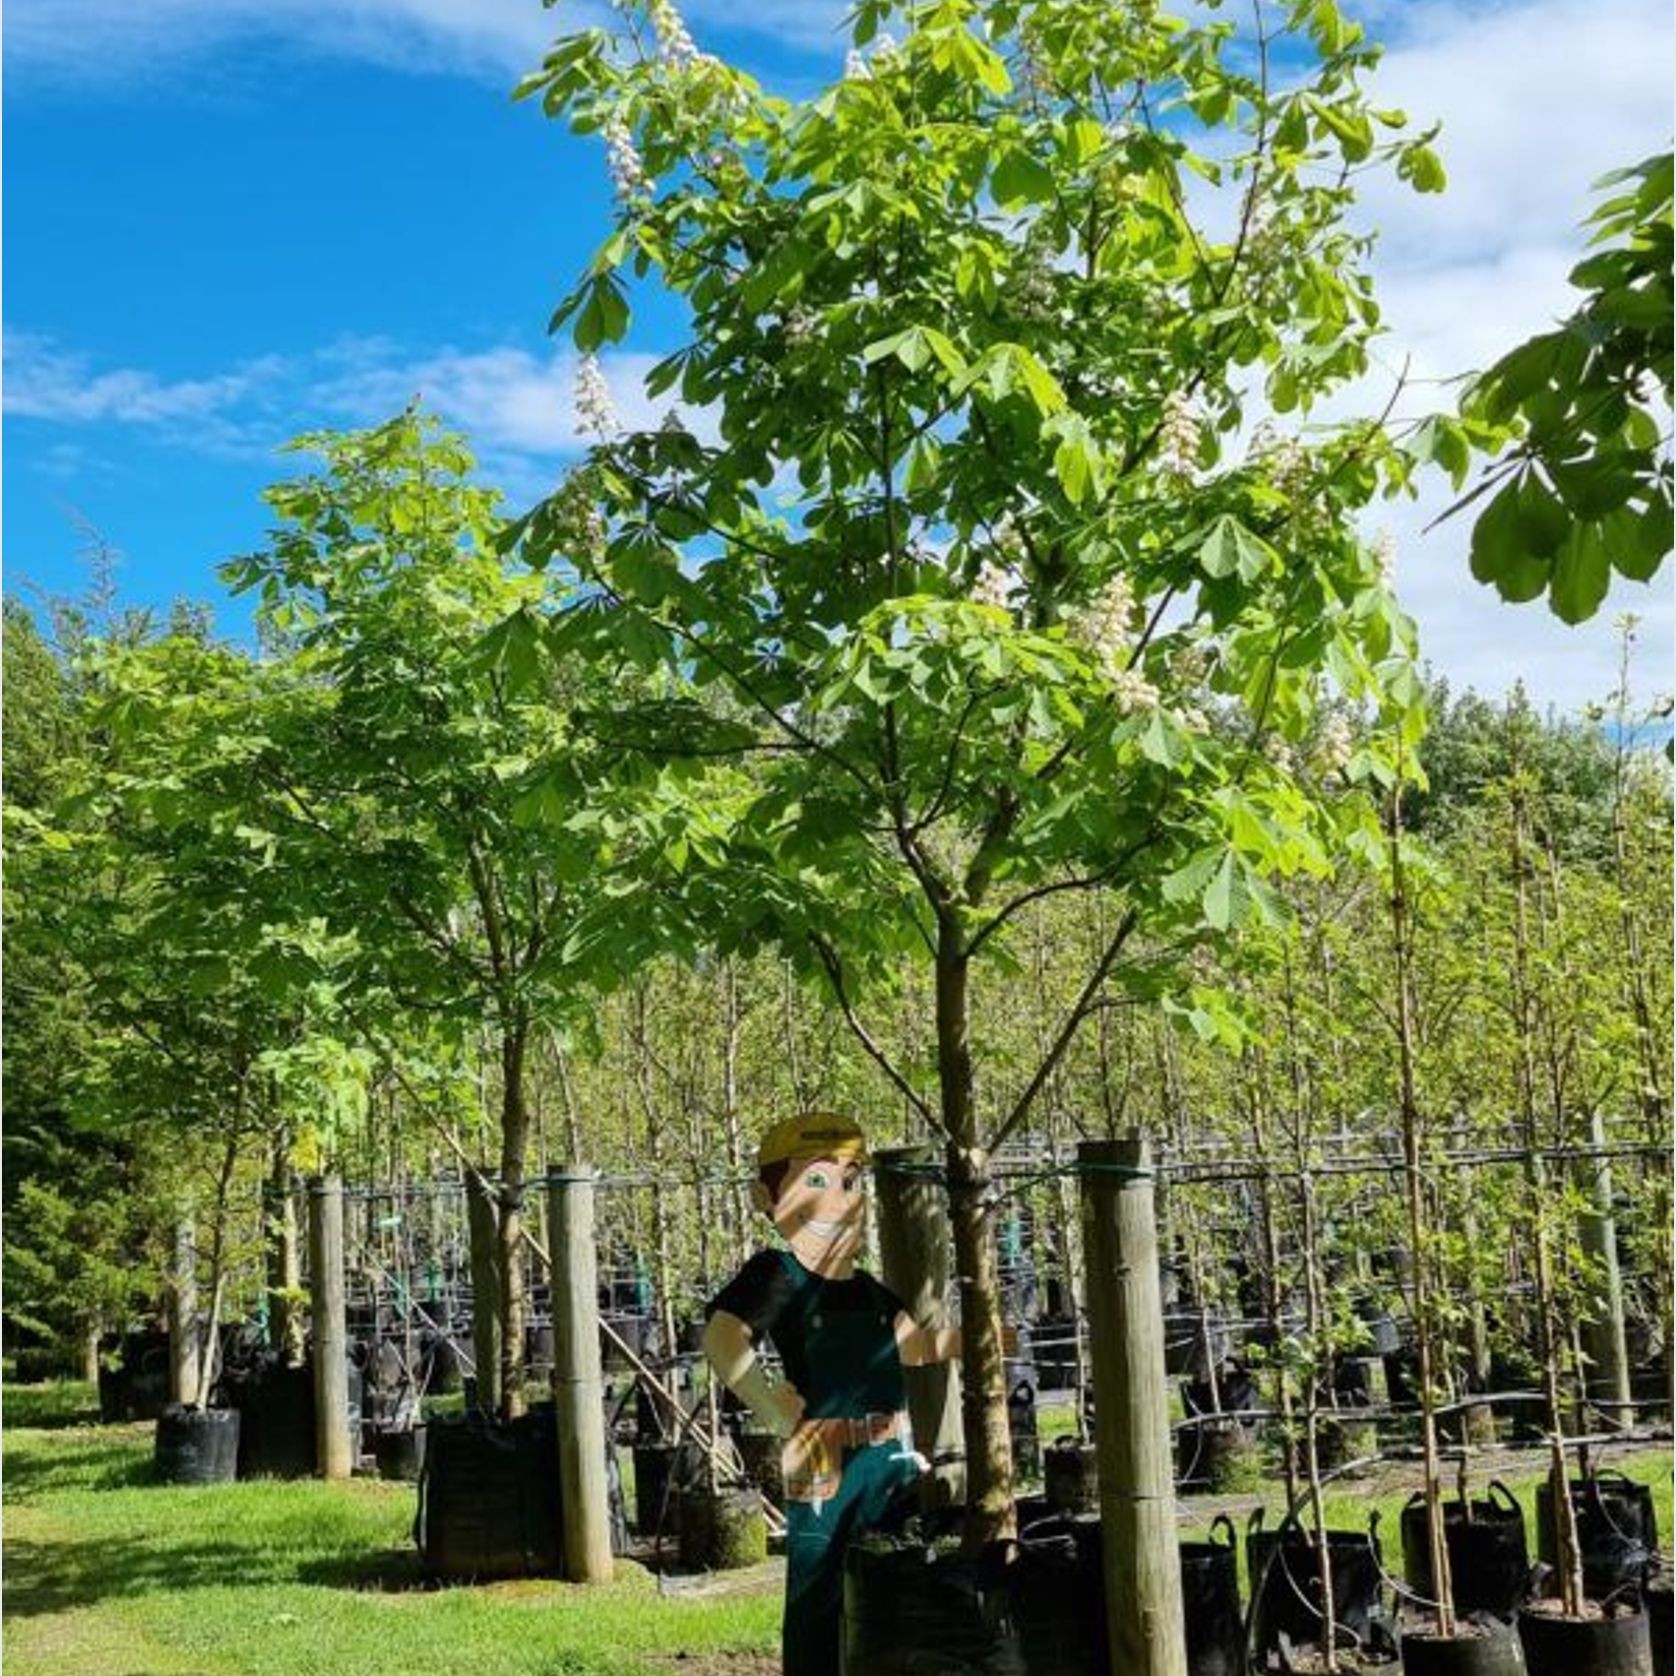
(516, 407)
(104, 40)
(82, 41)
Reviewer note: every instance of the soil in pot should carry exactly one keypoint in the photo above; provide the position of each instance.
(1610, 1641)
(1476, 1649)
(722, 1530)
(197, 1445)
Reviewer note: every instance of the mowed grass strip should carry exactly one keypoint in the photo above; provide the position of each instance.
(109, 1574)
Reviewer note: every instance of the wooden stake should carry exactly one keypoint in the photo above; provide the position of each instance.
(183, 1315)
(334, 1452)
(1603, 1328)
(578, 1397)
(1132, 1423)
(915, 1250)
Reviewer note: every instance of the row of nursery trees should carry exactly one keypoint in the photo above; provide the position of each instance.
(959, 706)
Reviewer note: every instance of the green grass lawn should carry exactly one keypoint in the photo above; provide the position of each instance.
(108, 1574)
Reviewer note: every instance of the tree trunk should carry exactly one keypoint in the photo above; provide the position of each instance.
(90, 1353)
(284, 1258)
(514, 1145)
(989, 1455)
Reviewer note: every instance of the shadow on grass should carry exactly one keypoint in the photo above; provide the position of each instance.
(59, 1403)
(102, 1465)
(61, 1576)
(384, 1571)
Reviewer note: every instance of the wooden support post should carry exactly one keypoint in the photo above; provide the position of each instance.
(578, 1395)
(183, 1314)
(1603, 1326)
(485, 1291)
(1132, 1433)
(334, 1450)
(915, 1249)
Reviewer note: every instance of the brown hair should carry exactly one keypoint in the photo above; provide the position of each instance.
(773, 1178)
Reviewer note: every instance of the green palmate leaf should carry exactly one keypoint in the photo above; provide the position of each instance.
(1582, 572)
(1638, 542)
(1231, 549)
(1226, 897)
(1019, 178)
(603, 314)
(1077, 459)
(1187, 883)
(1422, 168)
(513, 649)
(1163, 741)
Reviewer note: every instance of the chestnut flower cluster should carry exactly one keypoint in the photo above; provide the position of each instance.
(1105, 628)
(622, 160)
(1334, 746)
(1179, 435)
(994, 586)
(675, 46)
(859, 66)
(596, 413)
(1384, 550)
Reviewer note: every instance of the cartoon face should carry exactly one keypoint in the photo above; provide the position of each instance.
(821, 1214)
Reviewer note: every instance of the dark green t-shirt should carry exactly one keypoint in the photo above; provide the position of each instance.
(836, 1339)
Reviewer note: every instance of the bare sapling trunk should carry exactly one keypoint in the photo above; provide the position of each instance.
(1269, 1239)
(733, 1138)
(1414, 1187)
(1313, 1327)
(284, 1261)
(989, 1454)
(515, 1129)
(1551, 1339)
(209, 1341)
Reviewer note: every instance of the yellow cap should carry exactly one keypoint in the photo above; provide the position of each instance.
(812, 1135)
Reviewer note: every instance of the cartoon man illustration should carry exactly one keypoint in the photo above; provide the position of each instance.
(843, 1339)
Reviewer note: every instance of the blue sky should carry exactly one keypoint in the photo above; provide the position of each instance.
(226, 222)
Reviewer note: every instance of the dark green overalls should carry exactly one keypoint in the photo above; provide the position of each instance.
(854, 1370)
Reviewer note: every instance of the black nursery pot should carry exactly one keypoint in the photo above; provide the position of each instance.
(399, 1452)
(1286, 1582)
(1656, 1598)
(1071, 1476)
(197, 1445)
(910, 1610)
(1477, 1651)
(1489, 1561)
(1022, 1428)
(488, 1497)
(1614, 1645)
(1210, 1599)
(1616, 1531)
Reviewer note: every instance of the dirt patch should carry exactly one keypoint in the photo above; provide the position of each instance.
(721, 1664)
